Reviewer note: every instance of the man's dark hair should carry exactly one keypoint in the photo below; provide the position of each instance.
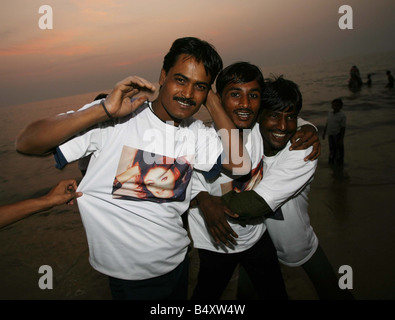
(195, 48)
(239, 72)
(280, 94)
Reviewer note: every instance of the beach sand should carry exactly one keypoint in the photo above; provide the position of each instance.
(352, 213)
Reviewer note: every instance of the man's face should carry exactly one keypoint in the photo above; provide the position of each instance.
(336, 107)
(277, 128)
(183, 89)
(241, 101)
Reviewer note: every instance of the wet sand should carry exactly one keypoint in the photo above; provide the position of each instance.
(352, 213)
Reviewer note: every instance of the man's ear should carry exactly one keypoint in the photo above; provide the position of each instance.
(162, 77)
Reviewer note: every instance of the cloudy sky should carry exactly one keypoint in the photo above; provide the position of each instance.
(95, 43)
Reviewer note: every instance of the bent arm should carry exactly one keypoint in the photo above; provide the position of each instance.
(42, 136)
(237, 159)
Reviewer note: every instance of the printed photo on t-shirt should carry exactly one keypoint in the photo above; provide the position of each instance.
(245, 183)
(143, 175)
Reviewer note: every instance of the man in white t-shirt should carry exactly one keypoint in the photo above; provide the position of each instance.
(223, 244)
(282, 194)
(137, 184)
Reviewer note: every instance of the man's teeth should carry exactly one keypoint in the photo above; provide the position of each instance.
(279, 135)
(243, 114)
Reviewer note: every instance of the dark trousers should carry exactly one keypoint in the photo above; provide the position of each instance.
(260, 263)
(336, 149)
(170, 286)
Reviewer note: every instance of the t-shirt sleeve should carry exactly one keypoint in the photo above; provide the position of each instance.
(82, 145)
(199, 183)
(302, 122)
(286, 178)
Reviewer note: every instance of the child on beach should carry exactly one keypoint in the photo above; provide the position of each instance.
(336, 128)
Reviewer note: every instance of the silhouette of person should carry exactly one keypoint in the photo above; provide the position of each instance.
(390, 77)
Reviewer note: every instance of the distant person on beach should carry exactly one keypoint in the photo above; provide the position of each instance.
(64, 192)
(335, 128)
(281, 197)
(390, 78)
(355, 82)
(141, 244)
(369, 81)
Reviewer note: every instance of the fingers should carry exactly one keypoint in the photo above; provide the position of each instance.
(231, 213)
(224, 234)
(302, 140)
(315, 153)
(134, 83)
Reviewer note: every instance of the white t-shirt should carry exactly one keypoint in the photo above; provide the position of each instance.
(133, 220)
(249, 234)
(336, 121)
(285, 186)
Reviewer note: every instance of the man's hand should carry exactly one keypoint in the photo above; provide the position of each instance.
(213, 100)
(214, 214)
(304, 138)
(64, 192)
(118, 102)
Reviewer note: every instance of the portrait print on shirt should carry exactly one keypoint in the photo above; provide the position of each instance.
(143, 175)
(245, 183)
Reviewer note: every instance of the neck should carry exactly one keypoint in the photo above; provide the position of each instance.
(158, 109)
(268, 150)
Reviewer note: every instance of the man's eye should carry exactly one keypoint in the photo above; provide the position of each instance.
(201, 87)
(234, 94)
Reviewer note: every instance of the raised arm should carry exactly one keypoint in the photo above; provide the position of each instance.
(42, 136)
(62, 193)
(237, 159)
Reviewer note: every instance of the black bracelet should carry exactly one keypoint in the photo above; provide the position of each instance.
(105, 109)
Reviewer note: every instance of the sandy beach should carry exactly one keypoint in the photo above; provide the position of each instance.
(352, 212)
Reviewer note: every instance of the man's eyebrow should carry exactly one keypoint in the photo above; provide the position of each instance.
(186, 78)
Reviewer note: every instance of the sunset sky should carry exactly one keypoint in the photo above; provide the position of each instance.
(95, 43)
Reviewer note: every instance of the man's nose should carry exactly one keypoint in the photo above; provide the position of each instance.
(188, 91)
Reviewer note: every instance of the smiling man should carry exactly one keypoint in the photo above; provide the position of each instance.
(140, 242)
(223, 243)
(282, 194)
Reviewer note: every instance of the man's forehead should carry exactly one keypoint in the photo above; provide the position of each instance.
(252, 86)
(188, 65)
(281, 109)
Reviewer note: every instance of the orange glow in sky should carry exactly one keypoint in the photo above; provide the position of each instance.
(95, 43)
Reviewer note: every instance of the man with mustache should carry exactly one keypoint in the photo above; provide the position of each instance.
(223, 244)
(142, 245)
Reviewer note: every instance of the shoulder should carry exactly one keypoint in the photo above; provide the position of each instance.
(295, 156)
(192, 123)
